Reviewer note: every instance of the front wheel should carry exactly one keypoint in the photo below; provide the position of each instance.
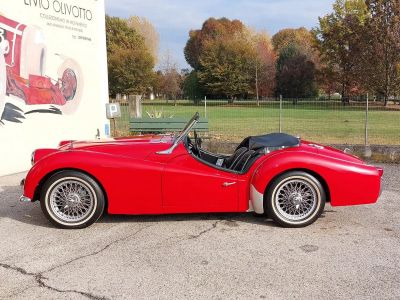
(72, 199)
(295, 199)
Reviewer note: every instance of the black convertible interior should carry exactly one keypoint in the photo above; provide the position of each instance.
(245, 154)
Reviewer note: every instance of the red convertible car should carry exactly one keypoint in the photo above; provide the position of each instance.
(279, 175)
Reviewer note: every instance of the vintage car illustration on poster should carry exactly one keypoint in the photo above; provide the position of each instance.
(23, 54)
(287, 178)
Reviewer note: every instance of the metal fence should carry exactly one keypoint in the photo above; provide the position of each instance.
(356, 122)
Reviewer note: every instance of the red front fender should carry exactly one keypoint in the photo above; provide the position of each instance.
(131, 185)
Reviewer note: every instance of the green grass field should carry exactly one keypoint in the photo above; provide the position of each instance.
(320, 122)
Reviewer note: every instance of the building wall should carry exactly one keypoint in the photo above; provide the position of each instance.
(53, 76)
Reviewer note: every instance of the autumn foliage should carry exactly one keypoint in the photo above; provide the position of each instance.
(359, 43)
(354, 50)
(230, 60)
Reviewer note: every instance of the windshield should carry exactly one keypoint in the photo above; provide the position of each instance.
(187, 128)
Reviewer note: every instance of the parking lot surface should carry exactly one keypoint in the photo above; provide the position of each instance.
(350, 252)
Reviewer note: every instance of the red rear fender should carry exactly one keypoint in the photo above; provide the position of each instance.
(348, 183)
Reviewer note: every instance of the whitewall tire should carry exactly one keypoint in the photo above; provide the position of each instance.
(295, 199)
(72, 199)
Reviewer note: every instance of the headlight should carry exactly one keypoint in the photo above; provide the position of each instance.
(33, 158)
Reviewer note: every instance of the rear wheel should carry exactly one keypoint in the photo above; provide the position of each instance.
(295, 199)
(72, 199)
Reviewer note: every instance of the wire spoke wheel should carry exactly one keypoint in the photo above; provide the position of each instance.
(296, 199)
(71, 200)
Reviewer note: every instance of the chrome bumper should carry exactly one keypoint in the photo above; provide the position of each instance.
(25, 199)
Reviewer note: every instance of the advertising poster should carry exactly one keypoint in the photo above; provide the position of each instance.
(53, 76)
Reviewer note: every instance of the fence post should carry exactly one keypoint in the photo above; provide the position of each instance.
(367, 152)
(280, 113)
(205, 106)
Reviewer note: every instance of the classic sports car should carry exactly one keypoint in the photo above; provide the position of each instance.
(276, 174)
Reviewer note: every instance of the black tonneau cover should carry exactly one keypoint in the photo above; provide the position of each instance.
(272, 140)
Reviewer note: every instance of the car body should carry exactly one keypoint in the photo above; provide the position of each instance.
(162, 174)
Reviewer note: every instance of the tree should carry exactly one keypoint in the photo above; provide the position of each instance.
(171, 80)
(382, 48)
(338, 39)
(230, 60)
(226, 67)
(212, 29)
(301, 37)
(297, 63)
(129, 62)
(148, 32)
(327, 80)
(295, 74)
(192, 88)
(171, 84)
(156, 83)
(265, 60)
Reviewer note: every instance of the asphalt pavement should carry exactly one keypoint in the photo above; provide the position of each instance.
(349, 253)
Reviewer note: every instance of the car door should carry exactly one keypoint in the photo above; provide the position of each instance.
(189, 185)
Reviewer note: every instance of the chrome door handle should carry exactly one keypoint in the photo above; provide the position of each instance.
(225, 184)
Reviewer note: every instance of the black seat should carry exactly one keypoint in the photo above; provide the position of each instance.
(228, 163)
(241, 163)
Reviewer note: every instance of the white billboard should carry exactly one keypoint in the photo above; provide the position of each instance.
(53, 76)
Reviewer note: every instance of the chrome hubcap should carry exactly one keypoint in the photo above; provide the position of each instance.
(296, 199)
(71, 200)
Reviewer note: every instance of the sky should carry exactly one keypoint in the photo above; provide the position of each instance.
(174, 19)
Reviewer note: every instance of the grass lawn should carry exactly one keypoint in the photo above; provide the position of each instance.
(320, 122)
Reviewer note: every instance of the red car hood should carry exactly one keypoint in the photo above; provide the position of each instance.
(135, 147)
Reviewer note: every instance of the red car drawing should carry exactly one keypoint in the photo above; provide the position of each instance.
(23, 55)
(280, 175)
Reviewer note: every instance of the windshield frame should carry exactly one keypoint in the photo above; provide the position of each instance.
(185, 131)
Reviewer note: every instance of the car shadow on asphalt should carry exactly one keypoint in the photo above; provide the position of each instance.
(31, 213)
(231, 218)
